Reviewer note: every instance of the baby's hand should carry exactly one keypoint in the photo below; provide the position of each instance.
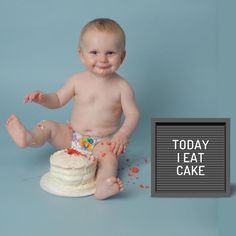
(119, 143)
(36, 96)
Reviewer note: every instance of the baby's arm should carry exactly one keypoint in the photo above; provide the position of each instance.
(131, 113)
(49, 100)
(53, 100)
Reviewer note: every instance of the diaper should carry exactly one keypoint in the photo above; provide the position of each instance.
(85, 143)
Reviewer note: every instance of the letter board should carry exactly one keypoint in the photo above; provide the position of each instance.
(190, 157)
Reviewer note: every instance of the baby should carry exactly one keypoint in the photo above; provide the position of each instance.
(100, 96)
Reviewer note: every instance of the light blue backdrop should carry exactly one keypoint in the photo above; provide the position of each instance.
(180, 61)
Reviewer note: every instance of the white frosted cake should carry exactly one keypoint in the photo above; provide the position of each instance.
(72, 174)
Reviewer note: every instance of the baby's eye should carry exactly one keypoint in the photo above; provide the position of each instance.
(94, 52)
(110, 53)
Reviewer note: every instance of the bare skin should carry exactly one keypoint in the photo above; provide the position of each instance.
(100, 96)
(107, 184)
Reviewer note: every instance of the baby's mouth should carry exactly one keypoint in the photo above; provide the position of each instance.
(103, 67)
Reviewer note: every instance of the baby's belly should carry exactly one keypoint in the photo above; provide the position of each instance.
(95, 125)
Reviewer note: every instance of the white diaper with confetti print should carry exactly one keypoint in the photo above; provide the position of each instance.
(85, 143)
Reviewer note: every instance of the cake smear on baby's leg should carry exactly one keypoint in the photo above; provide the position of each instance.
(109, 187)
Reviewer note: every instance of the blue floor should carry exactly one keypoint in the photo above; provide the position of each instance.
(27, 210)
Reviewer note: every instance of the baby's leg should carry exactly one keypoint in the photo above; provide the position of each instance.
(59, 135)
(107, 183)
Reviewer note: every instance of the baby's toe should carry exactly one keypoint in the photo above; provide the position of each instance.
(121, 188)
(12, 117)
(120, 183)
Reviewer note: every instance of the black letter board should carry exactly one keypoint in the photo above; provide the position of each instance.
(190, 157)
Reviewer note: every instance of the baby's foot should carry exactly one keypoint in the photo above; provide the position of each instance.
(17, 131)
(109, 187)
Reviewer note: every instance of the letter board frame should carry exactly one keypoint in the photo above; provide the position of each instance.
(214, 180)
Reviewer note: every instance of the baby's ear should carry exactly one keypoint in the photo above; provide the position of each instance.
(80, 52)
(123, 56)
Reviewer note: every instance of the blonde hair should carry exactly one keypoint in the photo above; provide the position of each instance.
(103, 25)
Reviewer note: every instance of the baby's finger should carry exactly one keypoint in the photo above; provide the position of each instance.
(113, 144)
(31, 97)
(36, 96)
(120, 150)
(26, 99)
(124, 149)
(116, 149)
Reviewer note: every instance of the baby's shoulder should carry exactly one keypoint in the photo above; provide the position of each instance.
(123, 83)
(124, 86)
(76, 78)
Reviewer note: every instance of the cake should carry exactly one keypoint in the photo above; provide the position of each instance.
(72, 174)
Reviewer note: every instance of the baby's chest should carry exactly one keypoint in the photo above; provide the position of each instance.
(98, 96)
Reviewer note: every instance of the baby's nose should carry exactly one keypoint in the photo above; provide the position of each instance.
(103, 57)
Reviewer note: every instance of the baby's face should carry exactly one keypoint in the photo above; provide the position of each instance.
(101, 52)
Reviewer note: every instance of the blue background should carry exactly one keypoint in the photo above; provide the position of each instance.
(181, 63)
